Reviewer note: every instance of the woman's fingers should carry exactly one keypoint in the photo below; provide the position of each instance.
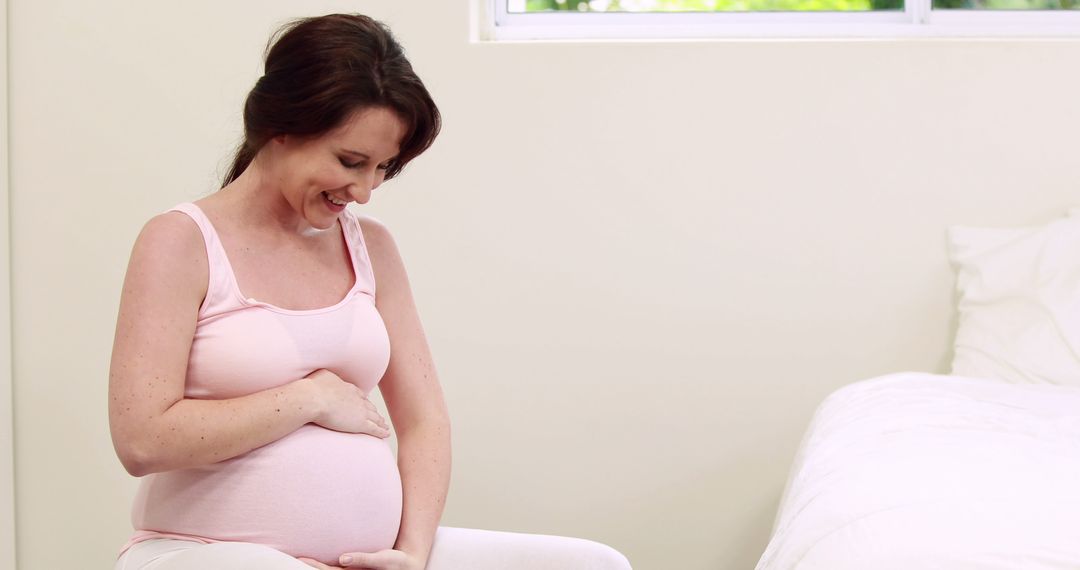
(347, 408)
(379, 430)
(382, 560)
(360, 560)
(372, 410)
(316, 564)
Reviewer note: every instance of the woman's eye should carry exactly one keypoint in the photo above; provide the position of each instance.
(348, 164)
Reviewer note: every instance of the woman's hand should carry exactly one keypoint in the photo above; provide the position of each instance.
(344, 407)
(316, 564)
(381, 560)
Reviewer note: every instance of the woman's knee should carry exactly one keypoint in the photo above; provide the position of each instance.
(461, 549)
(591, 555)
(604, 557)
(247, 556)
(188, 555)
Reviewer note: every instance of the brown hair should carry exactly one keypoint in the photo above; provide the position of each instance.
(319, 71)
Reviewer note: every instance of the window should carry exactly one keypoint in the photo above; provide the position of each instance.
(675, 6)
(670, 6)
(599, 19)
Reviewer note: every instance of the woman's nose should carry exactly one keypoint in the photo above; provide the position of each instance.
(367, 182)
(360, 189)
(359, 192)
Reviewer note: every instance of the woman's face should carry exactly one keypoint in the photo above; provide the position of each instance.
(319, 175)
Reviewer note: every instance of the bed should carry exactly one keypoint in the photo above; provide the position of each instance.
(978, 469)
(922, 471)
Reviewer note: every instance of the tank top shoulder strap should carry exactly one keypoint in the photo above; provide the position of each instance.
(221, 285)
(365, 274)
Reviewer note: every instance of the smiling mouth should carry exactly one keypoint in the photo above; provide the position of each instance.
(333, 200)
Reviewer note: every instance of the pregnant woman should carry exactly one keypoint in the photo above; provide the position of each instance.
(255, 322)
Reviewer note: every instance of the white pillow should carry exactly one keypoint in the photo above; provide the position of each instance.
(1019, 302)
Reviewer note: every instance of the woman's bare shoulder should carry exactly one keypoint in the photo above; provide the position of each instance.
(170, 248)
(377, 237)
(372, 227)
(173, 234)
(386, 261)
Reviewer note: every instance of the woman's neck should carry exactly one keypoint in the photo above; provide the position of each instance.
(255, 199)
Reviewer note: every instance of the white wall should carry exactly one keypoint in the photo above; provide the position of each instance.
(640, 265)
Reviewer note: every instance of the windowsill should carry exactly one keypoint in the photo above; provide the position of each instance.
(783, 25)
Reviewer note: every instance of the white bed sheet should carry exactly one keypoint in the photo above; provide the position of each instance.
(919, 471)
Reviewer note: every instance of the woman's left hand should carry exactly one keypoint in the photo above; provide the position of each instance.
(381, 560)
(316, 564)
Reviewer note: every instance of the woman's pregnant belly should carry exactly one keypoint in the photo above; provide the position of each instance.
(316, 493)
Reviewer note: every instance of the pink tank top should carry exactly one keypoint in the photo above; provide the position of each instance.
(315, 492)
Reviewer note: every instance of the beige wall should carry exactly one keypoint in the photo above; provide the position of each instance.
(7, 454)
(640, 265)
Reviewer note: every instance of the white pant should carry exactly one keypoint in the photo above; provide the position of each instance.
(454, 549)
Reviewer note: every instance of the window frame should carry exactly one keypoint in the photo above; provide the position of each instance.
(917, 20)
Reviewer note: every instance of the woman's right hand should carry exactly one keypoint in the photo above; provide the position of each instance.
(344, 407)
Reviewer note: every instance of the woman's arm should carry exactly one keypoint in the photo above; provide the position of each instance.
(154, 428)
(414, 399)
